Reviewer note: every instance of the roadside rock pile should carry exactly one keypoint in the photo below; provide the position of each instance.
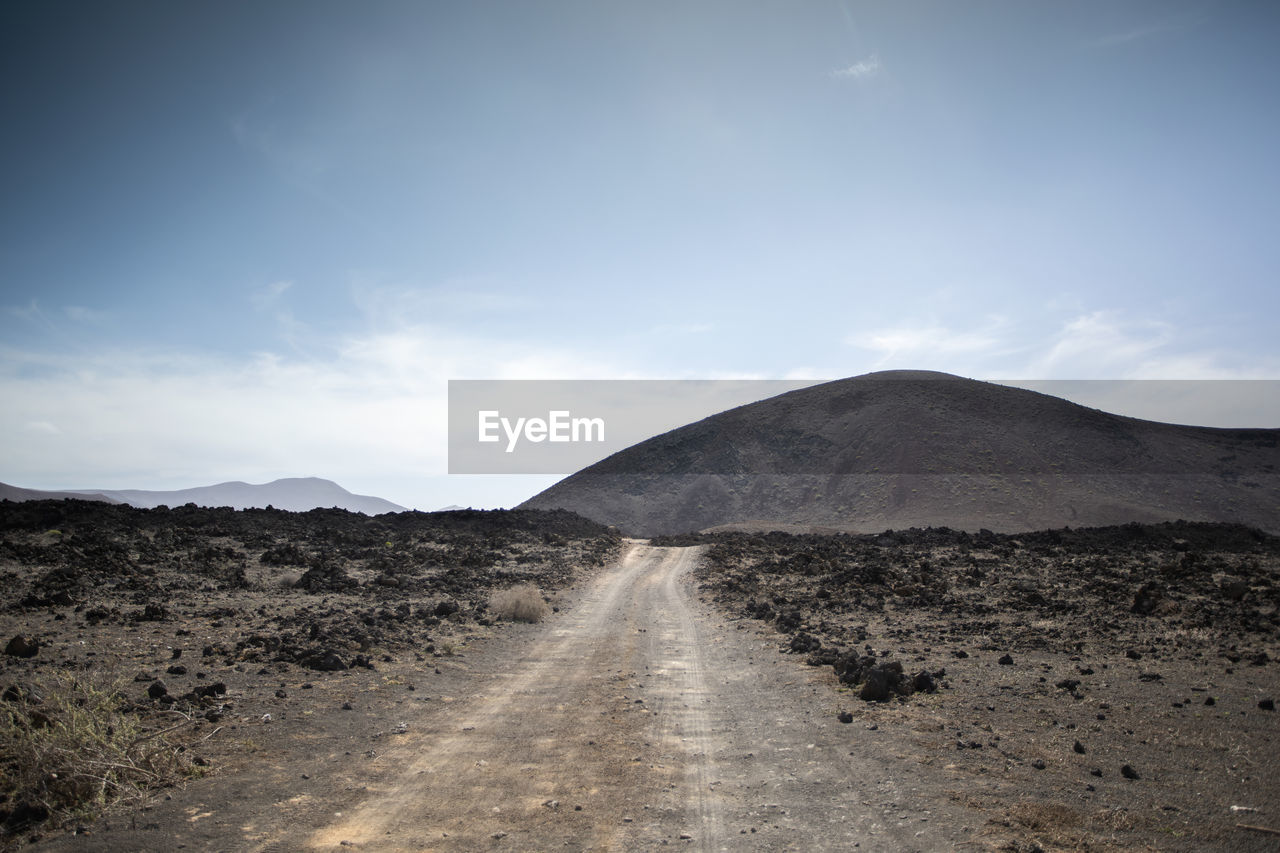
(1185, 581)
(1117, 671)
(206, 615)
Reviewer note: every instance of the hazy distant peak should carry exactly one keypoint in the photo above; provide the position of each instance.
(295, 494)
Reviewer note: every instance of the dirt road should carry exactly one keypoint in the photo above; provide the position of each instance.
(638, 719)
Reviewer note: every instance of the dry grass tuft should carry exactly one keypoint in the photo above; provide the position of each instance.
(521, 603)
(68, 750)
(288, 580)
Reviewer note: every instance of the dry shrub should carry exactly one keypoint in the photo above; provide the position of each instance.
(289, 580)
(68, 750)
(521, 603)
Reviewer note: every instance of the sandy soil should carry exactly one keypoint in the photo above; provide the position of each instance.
(635, 718)
(625, 727)
(652, 710)
(1100, 689)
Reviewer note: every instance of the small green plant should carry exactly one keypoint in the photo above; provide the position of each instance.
(521, 603)
(68, 750)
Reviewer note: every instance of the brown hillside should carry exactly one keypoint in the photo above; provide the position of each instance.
(914, 448)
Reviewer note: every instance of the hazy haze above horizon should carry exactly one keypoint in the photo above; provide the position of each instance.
(244, 241)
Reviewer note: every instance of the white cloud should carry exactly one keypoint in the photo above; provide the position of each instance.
(31, 313)
(268, 296)
(372, 409)
(1146, 31)
(86, 316)
(862, 70)
(676, 329)
(1100, 345)
(913, 346)
(385, 304)
(1107, 345)
(1091, 345)
(42, 428)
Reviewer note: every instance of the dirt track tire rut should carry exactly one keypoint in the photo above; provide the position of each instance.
(635, 720)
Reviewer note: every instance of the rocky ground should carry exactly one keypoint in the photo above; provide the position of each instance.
(1105, 688)
(212, 625)
(1098, 689)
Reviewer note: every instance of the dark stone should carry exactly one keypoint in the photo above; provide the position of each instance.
(1267, 704)
(1078, 748)
(22, 647)
(1006, 660)
(883, 681)
(1038, 764)
(25, 814)
(323, 661)
(210, 690)
(152, 613)
(825, 656)
(850, 668)
(177, 669)
(1069, 684)
(804, 643)
(1146, 600)
(924, 683)
(157, 689)
(1235, 590)
(845, 717)
(1128, 772)
(876, 688)
(326, 576)
(789, 621)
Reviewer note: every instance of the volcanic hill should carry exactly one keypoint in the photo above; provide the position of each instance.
(902, 449)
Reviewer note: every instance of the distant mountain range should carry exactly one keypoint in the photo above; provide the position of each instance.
(915, 448)
(295, 494)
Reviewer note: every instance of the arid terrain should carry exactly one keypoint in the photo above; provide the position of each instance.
(229, 625)
(1095, 688)
(331, 681)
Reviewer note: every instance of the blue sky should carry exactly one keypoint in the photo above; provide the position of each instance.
(253, 240)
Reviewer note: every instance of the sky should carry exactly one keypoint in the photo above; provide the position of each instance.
(250, 240)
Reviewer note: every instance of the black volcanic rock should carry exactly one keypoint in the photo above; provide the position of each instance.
(915, 449)
(22, 647)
